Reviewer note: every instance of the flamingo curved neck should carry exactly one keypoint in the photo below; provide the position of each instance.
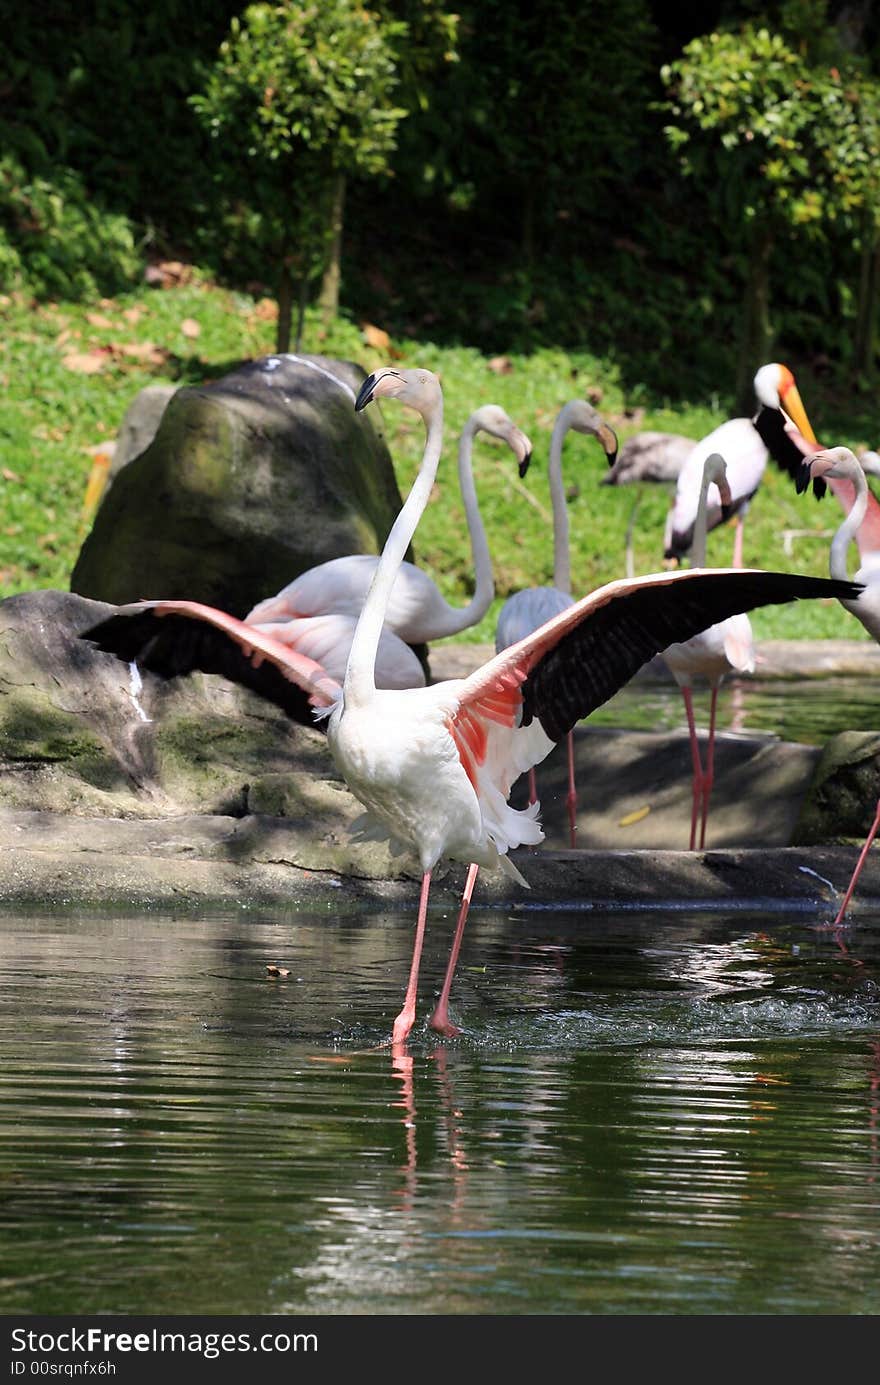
(460, 617)
(561, 557)
(698, 547)
(360, 673)
(837, 564)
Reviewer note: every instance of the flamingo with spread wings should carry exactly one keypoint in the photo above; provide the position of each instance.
(434, 766)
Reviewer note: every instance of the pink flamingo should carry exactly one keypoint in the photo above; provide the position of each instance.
(839, 464)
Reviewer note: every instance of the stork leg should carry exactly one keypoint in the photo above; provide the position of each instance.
(404, 1022)
(533, 786)
(571, 800)
(738, 542)
(440, 1020)
(859, 863)
(709, 772)
(697, 765)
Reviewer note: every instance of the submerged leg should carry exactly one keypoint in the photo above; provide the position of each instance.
(859, 863)
(404, 1022)
(440, 1019)
(709, 773)
(696, 763)
(571, 800)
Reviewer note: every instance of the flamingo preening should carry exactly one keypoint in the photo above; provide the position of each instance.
(433, 766)
(530, 608)
(836, 464)
(726, 647)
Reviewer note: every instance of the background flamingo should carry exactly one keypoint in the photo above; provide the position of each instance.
(840, 464)
(726, 647)
(526, 610)
(433, 766)
(417, 612)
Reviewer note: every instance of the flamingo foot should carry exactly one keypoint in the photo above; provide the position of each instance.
(442, 1024)
(402, 1025)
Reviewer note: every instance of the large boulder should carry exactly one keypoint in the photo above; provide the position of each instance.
(248, 481)
(842, 799)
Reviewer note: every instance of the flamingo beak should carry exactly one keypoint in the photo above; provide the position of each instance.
(524, 463)
(794, 408)
(366, 392)
(608, 439)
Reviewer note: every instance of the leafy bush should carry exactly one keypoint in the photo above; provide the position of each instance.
(55, 240)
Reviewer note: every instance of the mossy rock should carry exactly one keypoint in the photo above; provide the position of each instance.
(842, 798)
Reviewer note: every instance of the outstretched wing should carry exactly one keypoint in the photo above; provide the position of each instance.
(574, 663)
(173, 638)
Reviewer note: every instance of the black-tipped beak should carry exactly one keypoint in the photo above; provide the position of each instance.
(524, 465)
(365, 393)
(802, 479)
(611, 445)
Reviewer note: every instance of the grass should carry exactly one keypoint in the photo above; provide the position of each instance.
(68, 372)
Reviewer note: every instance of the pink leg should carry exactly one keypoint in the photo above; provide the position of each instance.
(572, 793)
(696, 763)
(440, 1018)
(533, 787)
(859, 863)
(404, 1022)
(738, 543)
(709, 773)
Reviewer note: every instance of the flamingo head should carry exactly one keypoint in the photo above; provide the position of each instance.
(583, 418)
(831, 461)
(715, 471)
(420, 389)
(491, 418)
(776, 389)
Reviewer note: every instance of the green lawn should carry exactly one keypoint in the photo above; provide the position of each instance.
(68, 373)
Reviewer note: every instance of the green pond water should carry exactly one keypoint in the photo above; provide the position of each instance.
(809, 710)
(647, 1112)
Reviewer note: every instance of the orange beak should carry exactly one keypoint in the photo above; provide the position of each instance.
(794, 408)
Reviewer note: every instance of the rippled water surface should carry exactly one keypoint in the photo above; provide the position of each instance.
(645, 1114)
(809, 711)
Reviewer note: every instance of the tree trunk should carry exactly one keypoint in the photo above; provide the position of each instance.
(754, 347)
(285, 307)
(301, 311)
(328, 300)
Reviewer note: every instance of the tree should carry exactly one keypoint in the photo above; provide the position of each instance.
(779, 145)
(300, 97)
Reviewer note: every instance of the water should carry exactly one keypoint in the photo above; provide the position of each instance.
(647, 1113)
(809, 711)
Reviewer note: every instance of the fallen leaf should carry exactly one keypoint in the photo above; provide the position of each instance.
(145, 351)
(266, 310)
(375, 337)
(274, 970)
(190, 328)
(133, 315)
(502, 365)
(98, 320)
(635, 816)
(9, 475)
(86, 362)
